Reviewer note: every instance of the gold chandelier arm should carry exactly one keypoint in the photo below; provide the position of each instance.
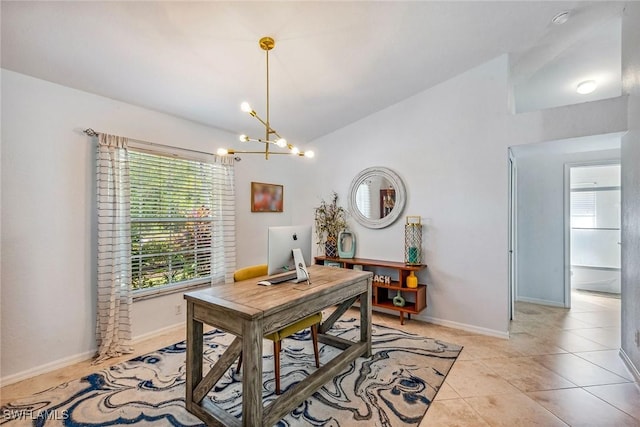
(262, 152)
(268, 141)
(268, 128)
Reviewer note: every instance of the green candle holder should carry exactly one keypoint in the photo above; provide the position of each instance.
(413, 241)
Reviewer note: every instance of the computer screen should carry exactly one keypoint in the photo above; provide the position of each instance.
(282, 241)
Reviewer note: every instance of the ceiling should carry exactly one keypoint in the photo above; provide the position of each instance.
(333, 64)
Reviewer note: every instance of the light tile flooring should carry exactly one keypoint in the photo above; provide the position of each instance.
(560, 367)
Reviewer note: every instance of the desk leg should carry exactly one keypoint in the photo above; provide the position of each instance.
(194, 356)
(365, 319)
(252, 373)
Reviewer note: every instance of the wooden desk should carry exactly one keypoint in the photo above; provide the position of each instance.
(249, 311)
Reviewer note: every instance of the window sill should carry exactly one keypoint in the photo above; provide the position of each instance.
(154, 293)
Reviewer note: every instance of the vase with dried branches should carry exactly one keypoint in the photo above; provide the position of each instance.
(330, 220)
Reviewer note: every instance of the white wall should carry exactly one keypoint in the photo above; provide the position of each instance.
(631, 188)
(571, 121)
(252, 226)
(48, 227)
(449, 146)
(540, 219)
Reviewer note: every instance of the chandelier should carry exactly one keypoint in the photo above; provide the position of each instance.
(272, 138)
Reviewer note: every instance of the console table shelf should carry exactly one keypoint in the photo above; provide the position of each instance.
(383, 293)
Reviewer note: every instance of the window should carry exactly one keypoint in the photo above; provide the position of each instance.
(583, 209)
(175, 208)
(363, 199)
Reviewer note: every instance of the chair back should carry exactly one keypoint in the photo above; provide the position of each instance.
(250, 272)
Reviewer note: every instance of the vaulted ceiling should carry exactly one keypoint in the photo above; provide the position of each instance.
(334, 62)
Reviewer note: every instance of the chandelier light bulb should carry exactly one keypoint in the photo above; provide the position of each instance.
(309, 154)
(246, 107)
(295, 150)
(281, 142)
(586, 87)
(244, 138)
(222, 152)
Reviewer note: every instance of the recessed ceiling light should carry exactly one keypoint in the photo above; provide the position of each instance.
(561, 18)
(586, 87)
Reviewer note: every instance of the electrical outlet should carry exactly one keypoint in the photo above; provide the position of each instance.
(178, 309)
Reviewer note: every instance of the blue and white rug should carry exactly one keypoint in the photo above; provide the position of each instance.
(392, 388)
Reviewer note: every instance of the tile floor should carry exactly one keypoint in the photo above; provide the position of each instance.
(560, 367)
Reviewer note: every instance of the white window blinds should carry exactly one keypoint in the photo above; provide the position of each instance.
(583, 209)
(182, 214)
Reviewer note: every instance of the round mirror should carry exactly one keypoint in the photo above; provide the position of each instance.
(376, 197)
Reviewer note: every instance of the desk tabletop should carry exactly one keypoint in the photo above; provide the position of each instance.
(247, 299)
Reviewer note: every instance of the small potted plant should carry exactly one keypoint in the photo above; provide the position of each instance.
(330, 220)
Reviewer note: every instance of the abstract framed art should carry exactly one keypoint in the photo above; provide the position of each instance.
(266, 197)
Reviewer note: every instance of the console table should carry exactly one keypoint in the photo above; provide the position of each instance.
(249, 312)
(383, 293)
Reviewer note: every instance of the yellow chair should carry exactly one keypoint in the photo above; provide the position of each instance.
(312, 322)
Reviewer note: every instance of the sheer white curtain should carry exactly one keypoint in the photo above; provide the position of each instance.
(113, 328)
(224, 236)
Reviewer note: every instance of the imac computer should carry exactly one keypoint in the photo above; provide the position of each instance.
(282, 242)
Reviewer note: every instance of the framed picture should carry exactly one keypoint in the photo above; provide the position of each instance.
(266, 197)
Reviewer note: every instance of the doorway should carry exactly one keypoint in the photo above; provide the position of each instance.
(539, 219)
(594, 213)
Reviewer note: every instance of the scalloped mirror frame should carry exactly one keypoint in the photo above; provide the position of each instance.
(401, 197)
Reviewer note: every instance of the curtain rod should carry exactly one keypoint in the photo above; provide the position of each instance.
(92, 132)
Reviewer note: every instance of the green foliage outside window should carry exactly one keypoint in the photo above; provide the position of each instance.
(171, 228)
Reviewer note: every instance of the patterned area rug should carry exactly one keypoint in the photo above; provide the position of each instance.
(392, 388)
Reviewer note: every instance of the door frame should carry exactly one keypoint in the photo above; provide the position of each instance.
(567, 218)
(512, 234)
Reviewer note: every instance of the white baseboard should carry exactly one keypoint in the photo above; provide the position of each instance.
(157, 332)
(48, 367)
(634, 370)
(541, 302)
(465, 327)
(448, 323)
(77, 358)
